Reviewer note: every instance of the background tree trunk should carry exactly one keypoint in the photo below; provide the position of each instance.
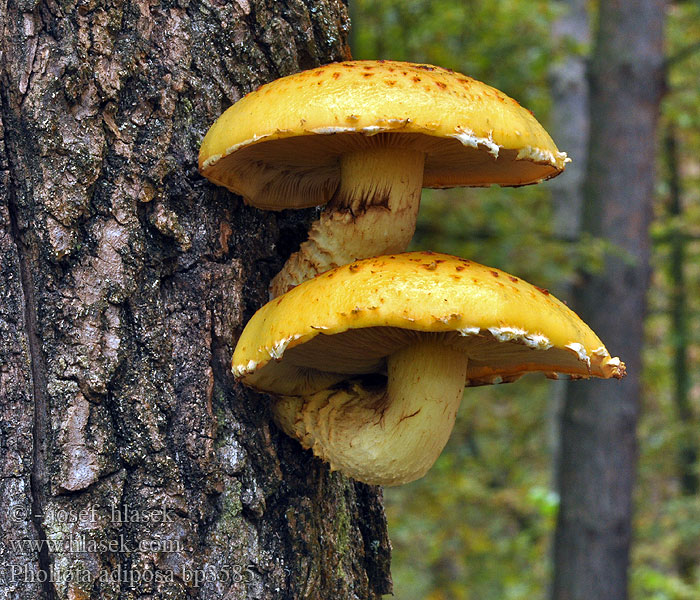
(598, 460)
(126, 279)
(570, 126)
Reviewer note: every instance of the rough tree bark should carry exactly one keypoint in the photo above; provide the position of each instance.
(598, 432)
(126, 279)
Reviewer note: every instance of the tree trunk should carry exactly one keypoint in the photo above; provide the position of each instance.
(598, 433)
(570, 126)
(132, 465)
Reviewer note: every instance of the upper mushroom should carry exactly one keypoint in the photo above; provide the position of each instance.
(371, 358)
(363, 137)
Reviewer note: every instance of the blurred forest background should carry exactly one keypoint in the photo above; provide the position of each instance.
(480, 524)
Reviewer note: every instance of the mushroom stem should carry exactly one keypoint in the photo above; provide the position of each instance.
(373, 212)
(388, 436)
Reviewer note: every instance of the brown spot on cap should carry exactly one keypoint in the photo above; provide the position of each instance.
(494, 273)
(441, 85)
(336, 75)
(544, 291)
(514, 279)
(390, 82)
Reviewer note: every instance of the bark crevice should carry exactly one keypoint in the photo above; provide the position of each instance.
(40, 433)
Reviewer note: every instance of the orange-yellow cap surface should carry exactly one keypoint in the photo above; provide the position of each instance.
(289, 133)
(348, 320)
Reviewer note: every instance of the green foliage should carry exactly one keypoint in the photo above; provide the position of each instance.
(666, 560)
(479, 525)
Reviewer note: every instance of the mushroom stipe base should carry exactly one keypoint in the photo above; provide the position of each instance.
(383, 436)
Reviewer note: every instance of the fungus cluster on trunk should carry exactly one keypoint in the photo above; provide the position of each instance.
(367, 349)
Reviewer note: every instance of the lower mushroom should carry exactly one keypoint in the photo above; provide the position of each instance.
(426, 323)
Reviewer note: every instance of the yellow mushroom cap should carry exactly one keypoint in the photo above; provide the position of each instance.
(287, 135)
(349, 319)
